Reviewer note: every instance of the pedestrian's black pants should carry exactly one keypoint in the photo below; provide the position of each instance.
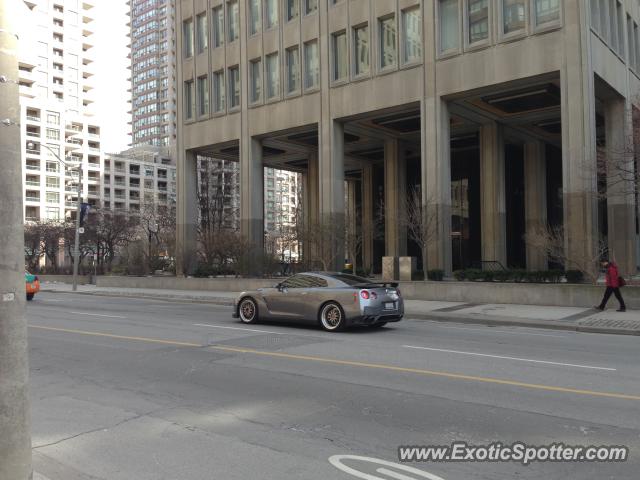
(607, 295)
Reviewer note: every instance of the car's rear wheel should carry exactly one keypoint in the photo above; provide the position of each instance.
(30, 296)
(248, 310)
(332, 317)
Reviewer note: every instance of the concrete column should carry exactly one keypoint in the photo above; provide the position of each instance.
(579, 179)
(493, 212)
(620, 185)
(310, 204)
(352, 223)
(395, 180)
(367, 217)
(252, 200)
(535, 200)
(331, 192)
(187, 213)
(436, 181)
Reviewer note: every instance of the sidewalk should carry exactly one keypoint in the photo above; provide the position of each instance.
(551, 317)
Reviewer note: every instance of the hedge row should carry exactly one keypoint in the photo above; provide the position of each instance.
(519, 276)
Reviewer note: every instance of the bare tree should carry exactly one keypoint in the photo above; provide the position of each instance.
(113, 231)
(158, 225)
(52, 232)
(33, 245)
(420, 220)
(551, 241)
(324, 241)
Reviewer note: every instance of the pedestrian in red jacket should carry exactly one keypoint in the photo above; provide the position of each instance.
(613, 286)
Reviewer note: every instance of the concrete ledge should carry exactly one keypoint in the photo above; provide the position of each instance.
(82, 279)
(229, 284)
(556, 294)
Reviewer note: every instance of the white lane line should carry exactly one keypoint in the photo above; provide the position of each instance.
(510, 358)
(492, 330)
(254, 330)
(97, 315)
(48, 300)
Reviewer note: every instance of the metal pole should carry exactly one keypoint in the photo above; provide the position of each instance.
(76, 249)
(15, 422)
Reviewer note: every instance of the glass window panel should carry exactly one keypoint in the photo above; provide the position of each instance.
(513, 15)
(478, 20)
(255, 16)
(293, 70)
(187, 37)
(217, 22)
(219, 91)
(387, 42)
(203, 96)
(234, 20)
(311, 65)
(188, 99)
(620, 26)
(449, 25)
(595, 14)
(632, 47)
(272, 74)
(201, 32)
(310, 6)
(613, 25)
(272, 13)
(412, 35)
(293, 9)
(361, 48)
(548, 11)
(256, 80)
(234, 87)
(339, 55)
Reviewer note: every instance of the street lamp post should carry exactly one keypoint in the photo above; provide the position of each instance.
(76, 249)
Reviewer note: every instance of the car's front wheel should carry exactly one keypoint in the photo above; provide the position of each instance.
(332, 317)
(248, 310)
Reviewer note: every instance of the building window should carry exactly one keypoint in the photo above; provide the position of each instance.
(311, 65)
(513, 16)
(53, 134)
(620, 27)
(53, 197)
(387, 42)
(272, 74)
(203, 96)
(188, 99)
(361, 49)
(201, 32)
(293, 69)
(478, 20)
(272, 13)
(636, 40)
(217, 24)
(339, 52)
(219, 91)
(630, 41)
(234, 87)
(449, 28)
(548, 11)
(234, 20)
(293, 9)
(53, 118)
(411, 35)
(256, 80)
(187, 37)
(255, 16)
(310, 6)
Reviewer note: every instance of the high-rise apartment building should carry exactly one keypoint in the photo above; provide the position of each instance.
(153, 102)
(56, 97)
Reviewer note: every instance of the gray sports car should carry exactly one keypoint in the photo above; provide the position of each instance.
(334, 300)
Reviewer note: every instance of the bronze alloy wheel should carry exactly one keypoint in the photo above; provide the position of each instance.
(331, 317)
(248, 310)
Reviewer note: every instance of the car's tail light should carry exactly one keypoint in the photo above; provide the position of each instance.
(365, 294)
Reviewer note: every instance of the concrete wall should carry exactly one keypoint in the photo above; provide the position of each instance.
(82, 279)
(562, 295)
(181, 283)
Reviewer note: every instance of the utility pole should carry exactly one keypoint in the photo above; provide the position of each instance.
(15, 422)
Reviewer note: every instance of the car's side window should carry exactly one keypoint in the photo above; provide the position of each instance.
(317, 282)
(297, 281)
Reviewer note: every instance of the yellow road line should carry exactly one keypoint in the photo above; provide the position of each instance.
(378, 366)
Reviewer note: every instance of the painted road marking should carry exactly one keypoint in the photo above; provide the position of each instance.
(377, 366)
(97, 315)
(510, 358)
(254, 330)
(337, 461)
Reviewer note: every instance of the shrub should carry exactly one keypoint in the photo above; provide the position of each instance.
(204, 271)
(503, 275)
(519, 275)
(418, 276)
(574, 276)
(488, 275)
(460, 275)
(474, 274)
(436, 275)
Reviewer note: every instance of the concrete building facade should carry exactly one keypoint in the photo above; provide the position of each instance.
(492, 111)
(57, 95)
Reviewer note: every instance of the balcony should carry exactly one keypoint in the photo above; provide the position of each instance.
(33, 183)
(32, 198)
(33, 118)
(33, 166)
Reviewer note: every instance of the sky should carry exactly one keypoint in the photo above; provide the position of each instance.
(112, 73)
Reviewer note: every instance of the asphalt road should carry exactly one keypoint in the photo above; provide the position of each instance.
(137, 389)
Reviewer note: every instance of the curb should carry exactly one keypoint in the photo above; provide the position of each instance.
(432, 316)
